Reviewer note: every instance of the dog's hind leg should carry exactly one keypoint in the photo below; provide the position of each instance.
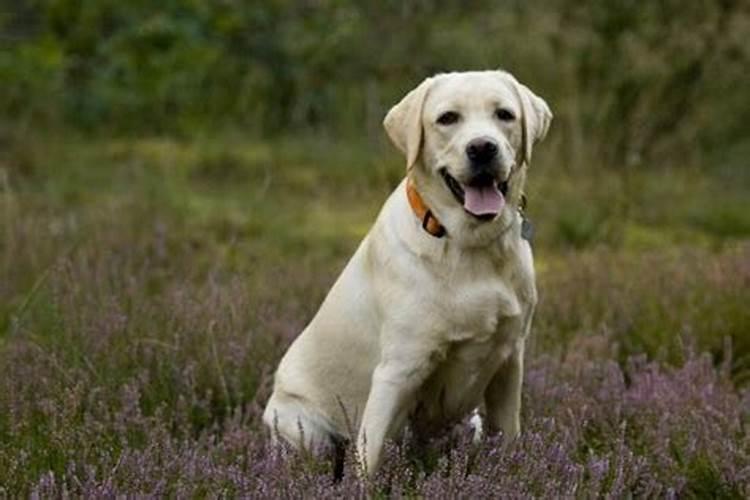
(289, 418)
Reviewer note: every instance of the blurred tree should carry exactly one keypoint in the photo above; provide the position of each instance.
(648, 80)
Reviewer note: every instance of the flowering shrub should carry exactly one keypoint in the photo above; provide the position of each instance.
(591, 429)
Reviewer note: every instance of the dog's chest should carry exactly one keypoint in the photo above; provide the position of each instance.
(482, 324)
(459, 380)
(474, 309)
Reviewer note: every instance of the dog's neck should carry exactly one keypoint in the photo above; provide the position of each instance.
(430, 223)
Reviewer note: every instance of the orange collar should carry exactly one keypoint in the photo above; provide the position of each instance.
(423, 213)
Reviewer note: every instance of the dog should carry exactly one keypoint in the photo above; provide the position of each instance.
(429, 318)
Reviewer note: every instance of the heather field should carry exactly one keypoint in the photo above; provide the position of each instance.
(182, 181)
(150, 286)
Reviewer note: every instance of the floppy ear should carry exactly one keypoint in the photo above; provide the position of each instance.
(403, 123)
(535, 118)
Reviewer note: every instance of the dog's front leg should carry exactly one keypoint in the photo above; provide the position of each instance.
(502, 397)
(394, 384)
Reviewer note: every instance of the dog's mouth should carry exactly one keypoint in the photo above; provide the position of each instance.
(483, 197)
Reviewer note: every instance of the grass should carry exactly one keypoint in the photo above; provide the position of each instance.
(150, 285)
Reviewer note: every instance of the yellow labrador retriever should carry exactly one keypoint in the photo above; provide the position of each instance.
(428, 320)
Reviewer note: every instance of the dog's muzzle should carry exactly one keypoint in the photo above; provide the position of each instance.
(482, 196)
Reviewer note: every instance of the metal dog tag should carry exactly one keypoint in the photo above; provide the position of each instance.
(527, 230)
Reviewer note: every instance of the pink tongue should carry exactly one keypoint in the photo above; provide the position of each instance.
(485, 200)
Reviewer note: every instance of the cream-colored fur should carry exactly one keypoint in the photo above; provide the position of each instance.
(422, 329)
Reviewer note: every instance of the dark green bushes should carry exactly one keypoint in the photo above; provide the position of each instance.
(629, 82)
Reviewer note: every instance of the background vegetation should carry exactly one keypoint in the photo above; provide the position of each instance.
(180, 185)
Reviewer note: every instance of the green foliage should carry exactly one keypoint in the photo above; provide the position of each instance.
(647, 81)
(291, 203)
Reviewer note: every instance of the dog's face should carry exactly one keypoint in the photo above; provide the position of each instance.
(467, 134)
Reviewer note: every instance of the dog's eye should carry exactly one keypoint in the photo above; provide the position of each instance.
(505, 115)
(448, 118)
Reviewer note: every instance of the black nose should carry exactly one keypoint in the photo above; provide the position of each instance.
(481, 150)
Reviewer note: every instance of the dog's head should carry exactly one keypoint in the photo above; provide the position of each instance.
(466, 137)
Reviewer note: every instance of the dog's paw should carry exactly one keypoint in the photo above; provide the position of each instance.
(477, 425)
